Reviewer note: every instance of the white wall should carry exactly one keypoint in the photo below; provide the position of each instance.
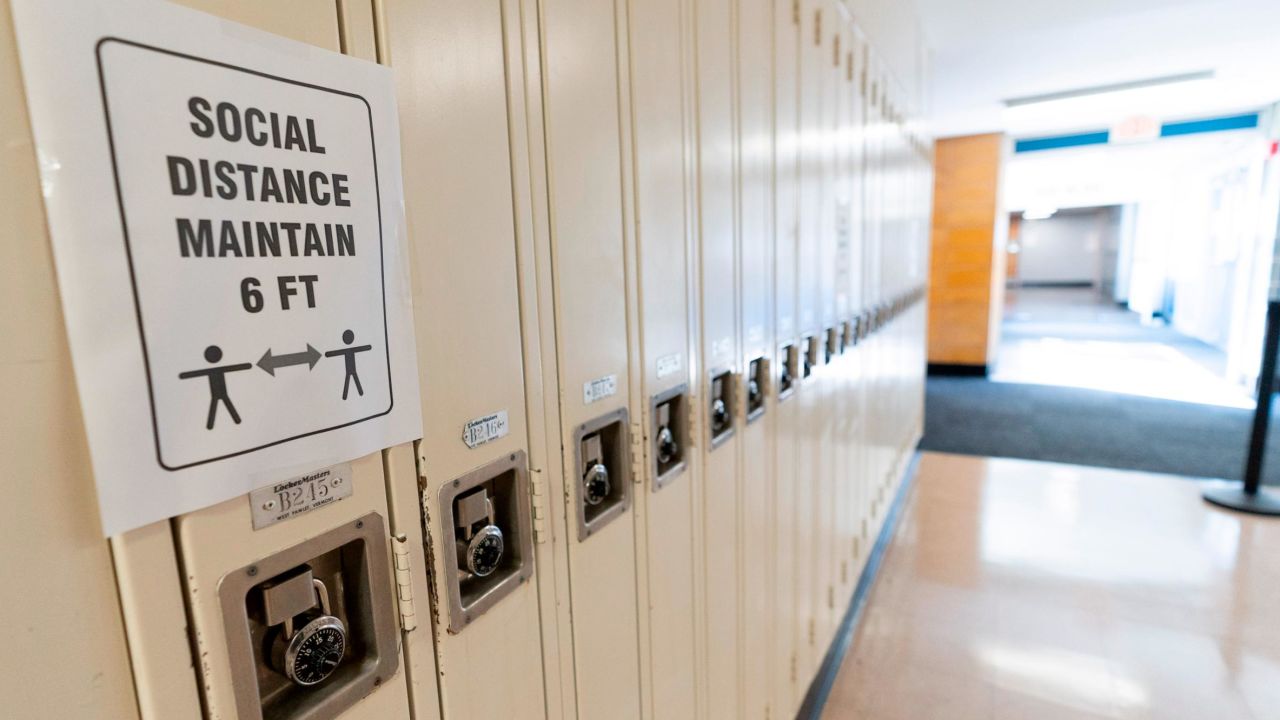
(1066, 248)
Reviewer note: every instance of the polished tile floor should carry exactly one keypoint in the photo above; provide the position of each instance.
(1019, 590)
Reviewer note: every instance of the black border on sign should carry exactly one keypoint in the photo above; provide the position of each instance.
(137, 305)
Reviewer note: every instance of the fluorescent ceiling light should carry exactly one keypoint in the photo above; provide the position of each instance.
(1039, 213)
(1110, 88)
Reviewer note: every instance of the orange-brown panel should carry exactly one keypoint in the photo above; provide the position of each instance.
(965, 266)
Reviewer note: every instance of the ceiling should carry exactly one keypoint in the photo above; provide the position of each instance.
(986, 51)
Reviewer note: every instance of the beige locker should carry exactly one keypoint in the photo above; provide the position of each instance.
(667, 500)
(457, 166)
(857, 411)
(72, 651)
(240, 583)
(228, 568)
(813, 61)
(825, 499)
(786, 687)
(589, 347)
(719, 371)
(226, 563)
(757, 417)
(889, 247)
(845, 419)
(875, 347)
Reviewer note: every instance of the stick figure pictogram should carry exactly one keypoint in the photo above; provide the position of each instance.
(349, 356)
(217, 383)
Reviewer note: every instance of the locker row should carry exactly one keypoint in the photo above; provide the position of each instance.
(668, 266)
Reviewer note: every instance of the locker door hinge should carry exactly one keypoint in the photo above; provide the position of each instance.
(638, 442)
(813, 632)
(817, 28)
(694, 423)
(404, 583)
(844, 566)
(795, 673)
(538, 487)
(831, 597)
(418, 460)
(795, 12)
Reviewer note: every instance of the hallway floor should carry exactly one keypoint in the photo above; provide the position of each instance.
(1072, 337)
(1019, 590)
(1080, 380)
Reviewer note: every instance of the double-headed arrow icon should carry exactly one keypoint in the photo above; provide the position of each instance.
(271, 362)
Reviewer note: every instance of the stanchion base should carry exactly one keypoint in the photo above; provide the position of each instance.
(1233, 497)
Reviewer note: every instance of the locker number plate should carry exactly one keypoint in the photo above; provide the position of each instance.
(482, 430)
(291, 498)
(599, 389)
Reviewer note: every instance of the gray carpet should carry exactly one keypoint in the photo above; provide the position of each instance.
(974, 416)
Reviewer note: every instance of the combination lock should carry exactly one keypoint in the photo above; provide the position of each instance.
(595, 484)
(312, 653)
(479, 541)
(719, 415)
(667, 447)
(753, 392)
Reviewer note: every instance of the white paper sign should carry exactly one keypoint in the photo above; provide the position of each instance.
(227, 220)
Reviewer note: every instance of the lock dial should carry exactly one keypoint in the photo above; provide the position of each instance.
(315, 651)
(719, 415)
(667, 447)
(595, 484)
(484, 551)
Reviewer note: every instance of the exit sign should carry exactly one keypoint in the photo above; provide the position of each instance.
(1137, 128)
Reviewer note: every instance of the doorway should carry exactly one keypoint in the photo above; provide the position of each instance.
(1068, 322)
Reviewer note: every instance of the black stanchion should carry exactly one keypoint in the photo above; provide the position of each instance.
(1252, 497)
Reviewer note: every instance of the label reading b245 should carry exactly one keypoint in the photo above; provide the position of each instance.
(293, 497)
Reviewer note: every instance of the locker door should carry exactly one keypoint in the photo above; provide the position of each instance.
(581, 92)
(857, 411)
(885, 249)
(814, 60)
(825, 506)
(666, 503)
(785, 691)
(875, 226)
(810, 169)
(49, 527)
(226, 562)
(720, 374)
(844, 418)
(755, 163)
(452, 95)
(230, 572)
